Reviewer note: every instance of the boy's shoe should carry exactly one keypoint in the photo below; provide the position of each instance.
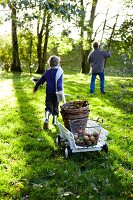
(46, 121)
(45, 124)
(55, 120)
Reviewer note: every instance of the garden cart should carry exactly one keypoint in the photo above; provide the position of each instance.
(84, 135)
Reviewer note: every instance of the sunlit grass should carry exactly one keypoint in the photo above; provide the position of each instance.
(33, 167)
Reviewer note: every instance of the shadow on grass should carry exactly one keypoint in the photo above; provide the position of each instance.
(97, 176)
(47, 176)
(37, 144)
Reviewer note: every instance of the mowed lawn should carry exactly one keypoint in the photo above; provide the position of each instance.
(33, 167)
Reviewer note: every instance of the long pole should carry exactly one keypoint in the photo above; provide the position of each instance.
(111, 36)
(104, 25)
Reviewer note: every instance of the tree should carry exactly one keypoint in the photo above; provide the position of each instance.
(85, 67)
(15, 66)
(82, 24)
(46, 11)
(50, 9)
(88, 28)
(125, 45)
(43, 32)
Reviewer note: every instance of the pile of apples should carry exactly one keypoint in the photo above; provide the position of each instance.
(85, 137)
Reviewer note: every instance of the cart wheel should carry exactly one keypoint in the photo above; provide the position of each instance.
(105, 148)
(68, 152)
(58, 140)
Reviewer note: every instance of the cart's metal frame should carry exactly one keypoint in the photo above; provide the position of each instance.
(67, 137)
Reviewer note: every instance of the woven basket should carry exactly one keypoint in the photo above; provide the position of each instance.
(74, 110)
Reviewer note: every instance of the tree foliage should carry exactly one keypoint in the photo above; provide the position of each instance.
(5, 53)
(26, 12)
(125, 47)
(34, 23)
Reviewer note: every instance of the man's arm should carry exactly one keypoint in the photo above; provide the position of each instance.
(107, 54)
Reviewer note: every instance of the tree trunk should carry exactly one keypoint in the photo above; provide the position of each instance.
(46, 41)
(30, 50)
(40, 38)
(39, 53)
(90, 40)
(40, 34)
(85, 65)
(82, 21)
(42, 53)
(15, 54)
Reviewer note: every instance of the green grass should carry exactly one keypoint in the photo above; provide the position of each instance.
(32, 167)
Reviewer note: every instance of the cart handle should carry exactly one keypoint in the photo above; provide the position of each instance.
(100, 120)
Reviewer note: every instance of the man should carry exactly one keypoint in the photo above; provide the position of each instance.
(96, 60)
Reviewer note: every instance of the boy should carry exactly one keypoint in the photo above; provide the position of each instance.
(53, 77)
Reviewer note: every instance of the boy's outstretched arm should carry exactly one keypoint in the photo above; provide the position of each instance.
(38, 83)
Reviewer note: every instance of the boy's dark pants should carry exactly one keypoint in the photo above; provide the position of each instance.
(52, 104)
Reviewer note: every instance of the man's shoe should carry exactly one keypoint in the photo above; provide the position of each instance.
(45, 124)
(92, 92)
(103, 92)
